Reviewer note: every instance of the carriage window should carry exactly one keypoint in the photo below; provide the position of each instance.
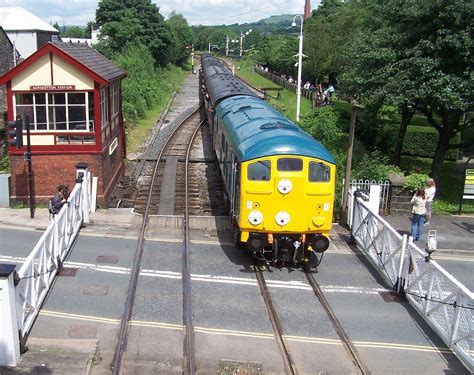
(259, 171)
(292, 165)
(318, 172)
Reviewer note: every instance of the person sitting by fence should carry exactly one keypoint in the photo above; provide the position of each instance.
(418, 214)
(290, 79)
(307, 85)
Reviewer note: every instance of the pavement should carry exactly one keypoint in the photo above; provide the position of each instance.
(78, 355)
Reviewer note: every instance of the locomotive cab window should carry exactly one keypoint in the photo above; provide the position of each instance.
(318, 172)
(259, 171)
(289, 165)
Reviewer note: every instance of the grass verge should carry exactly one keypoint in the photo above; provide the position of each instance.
(138, 131)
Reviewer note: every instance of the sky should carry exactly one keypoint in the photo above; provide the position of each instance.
(196, 12)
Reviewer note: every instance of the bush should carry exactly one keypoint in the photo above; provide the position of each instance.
(322, 124)
(416, 181)
(419, 141)
(141, 86)
(5, 163)
(374, 166)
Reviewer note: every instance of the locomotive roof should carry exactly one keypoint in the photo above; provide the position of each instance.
(256, 130)
(220, 82)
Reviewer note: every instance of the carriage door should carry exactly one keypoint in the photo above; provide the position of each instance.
(234, 180)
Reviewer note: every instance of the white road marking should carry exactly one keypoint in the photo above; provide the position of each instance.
(256, 335)
(211, 278)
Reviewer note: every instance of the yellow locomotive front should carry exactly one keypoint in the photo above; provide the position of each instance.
(286, 206)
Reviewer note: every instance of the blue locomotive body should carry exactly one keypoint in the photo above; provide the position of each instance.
(279, 180)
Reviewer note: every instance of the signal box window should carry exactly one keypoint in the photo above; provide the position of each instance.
(318, 172)
(290, 165)
(259, 171)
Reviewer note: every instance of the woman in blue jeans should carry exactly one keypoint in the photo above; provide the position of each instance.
(418, 211)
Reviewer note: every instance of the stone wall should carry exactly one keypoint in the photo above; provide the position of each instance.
(400, 199)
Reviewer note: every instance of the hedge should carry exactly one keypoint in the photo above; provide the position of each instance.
(420, 141)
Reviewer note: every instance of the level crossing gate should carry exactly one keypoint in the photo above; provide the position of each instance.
(22, 293)
(443, 302)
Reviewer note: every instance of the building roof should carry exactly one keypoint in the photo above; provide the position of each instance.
(18, 19)
(92, 59)
(83, 57)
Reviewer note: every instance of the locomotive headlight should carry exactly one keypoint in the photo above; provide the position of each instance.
(255, 217)
(284, 186)
(282, 218)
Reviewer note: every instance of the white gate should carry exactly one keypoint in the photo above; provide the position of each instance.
(445, 304)
(34, 279)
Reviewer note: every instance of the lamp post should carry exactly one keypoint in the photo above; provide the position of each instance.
(300, 66)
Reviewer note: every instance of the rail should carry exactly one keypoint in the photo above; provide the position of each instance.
(443, 302)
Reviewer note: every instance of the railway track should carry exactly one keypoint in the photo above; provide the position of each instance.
(289, 363)
(179, 144)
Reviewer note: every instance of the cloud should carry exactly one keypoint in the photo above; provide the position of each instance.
(205, 12)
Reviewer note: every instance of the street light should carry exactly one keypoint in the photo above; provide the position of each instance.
(300, 66)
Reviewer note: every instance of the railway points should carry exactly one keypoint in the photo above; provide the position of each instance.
(230, 320)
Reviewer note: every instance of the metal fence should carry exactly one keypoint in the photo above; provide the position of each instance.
(364, 187)
(36, 275)
(445, 304)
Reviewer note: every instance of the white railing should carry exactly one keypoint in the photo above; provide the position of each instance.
(445, 303)
(364, 187)
(22, 294)
(39, 270)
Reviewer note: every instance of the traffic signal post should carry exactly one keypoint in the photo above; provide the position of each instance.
(15, 133)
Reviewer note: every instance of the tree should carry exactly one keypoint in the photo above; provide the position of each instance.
(73, 32)
(182, 37)
(419, 53)
(130, 22)
(328, 34)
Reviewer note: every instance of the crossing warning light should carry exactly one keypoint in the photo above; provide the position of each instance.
(15, 131)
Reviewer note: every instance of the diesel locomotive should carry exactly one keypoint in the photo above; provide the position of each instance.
(279, 181)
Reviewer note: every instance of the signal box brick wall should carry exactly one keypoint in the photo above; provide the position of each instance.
(49, 169)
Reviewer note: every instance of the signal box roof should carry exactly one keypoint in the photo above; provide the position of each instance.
(83, 57)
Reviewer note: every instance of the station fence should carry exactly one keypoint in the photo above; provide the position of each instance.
(443, 302)
(35, 277)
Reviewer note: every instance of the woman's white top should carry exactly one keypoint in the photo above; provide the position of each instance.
(418, 205)
(430, 193)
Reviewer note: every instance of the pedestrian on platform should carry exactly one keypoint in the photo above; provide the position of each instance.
(430, 193)
(418, 214)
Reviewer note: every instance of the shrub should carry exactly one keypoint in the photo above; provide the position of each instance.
(416, 181)
(419, 141)
(5, 163)
(374, 166)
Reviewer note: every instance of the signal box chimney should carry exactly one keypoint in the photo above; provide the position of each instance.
(307, 9)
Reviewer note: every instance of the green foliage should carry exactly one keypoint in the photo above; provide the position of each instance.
(131, 22)
(5, 163)
(182, 37)
(416, 181)
(278, 53)
(419, 141)
(322, 124)
(144, 84)
(374, 166)
(75, 32)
